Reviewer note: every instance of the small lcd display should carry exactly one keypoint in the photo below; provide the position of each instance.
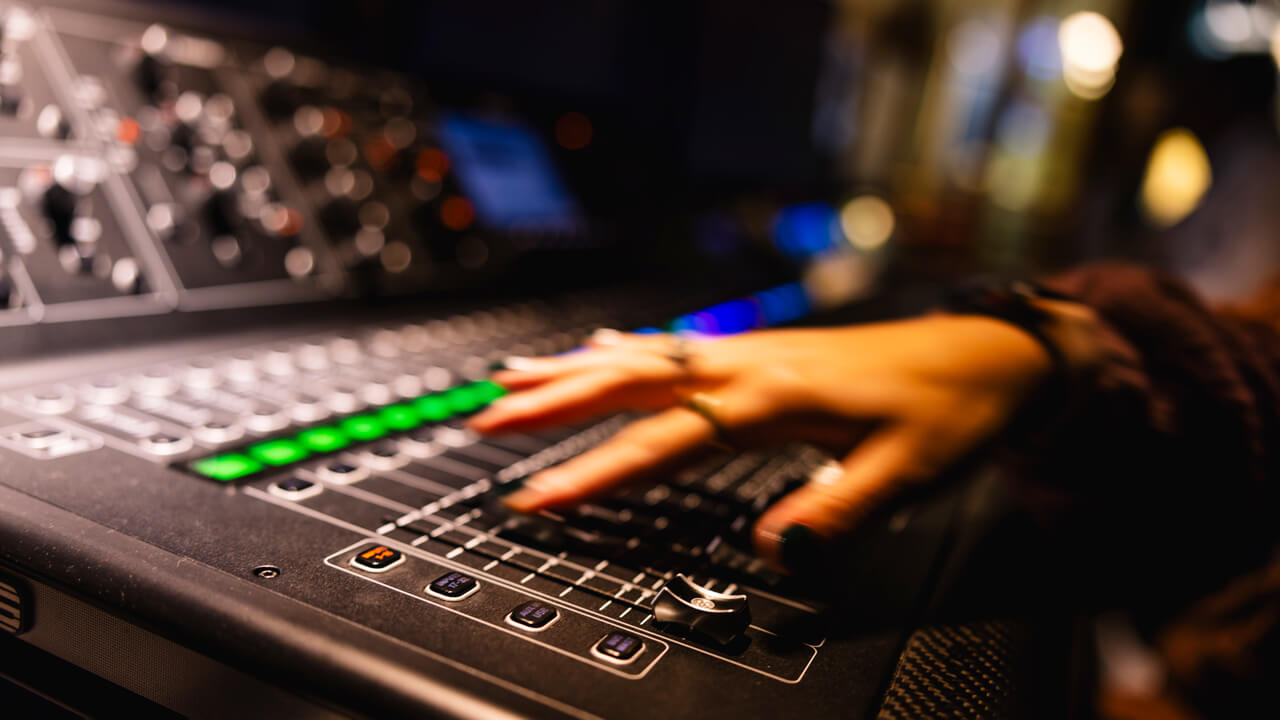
(506, 171)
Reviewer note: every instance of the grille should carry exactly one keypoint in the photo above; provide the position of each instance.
(955, 672)
(12, 618)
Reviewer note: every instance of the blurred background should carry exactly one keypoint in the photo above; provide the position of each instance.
(865, 143)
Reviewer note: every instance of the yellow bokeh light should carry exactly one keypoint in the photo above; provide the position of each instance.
(1177, 177)
(1275, 44)
(1091, 48)
(867, 222)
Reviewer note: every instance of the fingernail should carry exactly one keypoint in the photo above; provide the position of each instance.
(606, 336)
(510, 486)
(801, 549)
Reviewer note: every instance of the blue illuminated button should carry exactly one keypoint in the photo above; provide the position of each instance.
(377, 559)
(533, 616)
(618, 647)
(453, 586)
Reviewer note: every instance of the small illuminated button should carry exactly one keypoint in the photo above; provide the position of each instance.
(156, 382)
(216, 432)
(363, 427)
(384, 457)
(225, 468)
(343, 473)
(378, 559)
(533, 616)
(165, 444)
(433, 408)
(313, 356)
(385, 343)
(421, 443)
(377, 393)
(201, 375)
(341, 400)
(294, 488)
(278, 361)
(325, 439)
(400, 417)
(453, 586)
(464, 399)
(407, 385)
(455, 436)
(105, 391)
(308, 409)
(278, 452)
(242, 368)
(42, 438)
(265, 419)
(50, 401)
(618, 648)
(345, 350)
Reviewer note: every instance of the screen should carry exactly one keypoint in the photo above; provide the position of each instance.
(506, 171)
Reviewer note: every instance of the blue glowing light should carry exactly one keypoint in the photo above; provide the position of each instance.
(802, 231)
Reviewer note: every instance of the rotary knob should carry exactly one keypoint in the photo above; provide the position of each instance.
(683, 603)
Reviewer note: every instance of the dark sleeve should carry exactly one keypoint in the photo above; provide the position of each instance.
(1189, 399)
(1173, 449)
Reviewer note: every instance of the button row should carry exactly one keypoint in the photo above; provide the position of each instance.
(617, 647)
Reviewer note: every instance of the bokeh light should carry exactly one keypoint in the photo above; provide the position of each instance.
(1090, 48)
(1177, 177)
(867, 222)
(802, 231)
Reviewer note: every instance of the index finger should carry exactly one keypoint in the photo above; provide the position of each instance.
(640, 447)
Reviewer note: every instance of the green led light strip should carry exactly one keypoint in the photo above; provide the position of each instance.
(364, 427)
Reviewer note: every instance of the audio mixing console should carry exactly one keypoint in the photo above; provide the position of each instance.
(294, 518)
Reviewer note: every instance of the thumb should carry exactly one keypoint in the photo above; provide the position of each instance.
(837, 497)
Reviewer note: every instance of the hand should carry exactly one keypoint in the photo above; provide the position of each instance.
(901, 401)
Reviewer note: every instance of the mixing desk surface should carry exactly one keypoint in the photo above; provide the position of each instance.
(295, 518)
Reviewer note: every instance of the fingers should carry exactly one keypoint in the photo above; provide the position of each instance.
(640, 447)
(643, 355)
(837, 498)
(569, 400)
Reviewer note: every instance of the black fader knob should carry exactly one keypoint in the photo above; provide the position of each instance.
(221, 212)
(59, 207)
(684, 604)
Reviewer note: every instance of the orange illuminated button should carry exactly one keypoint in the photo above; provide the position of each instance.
(377, 559)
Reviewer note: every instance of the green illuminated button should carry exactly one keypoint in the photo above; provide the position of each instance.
(278, 452)
(225, 468)
(433, 408)
(463, 399)
(324, 439)
(364, 427)
(487, 390)
(400, 417)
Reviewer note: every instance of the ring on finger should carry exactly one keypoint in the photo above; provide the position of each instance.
(679, 351)
(708, 406)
